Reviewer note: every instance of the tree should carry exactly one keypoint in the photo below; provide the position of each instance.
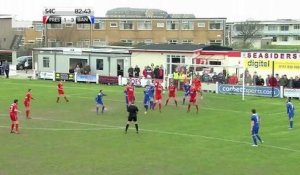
(246, 32)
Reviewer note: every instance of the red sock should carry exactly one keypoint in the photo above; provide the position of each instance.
(17, 127)
(27, 113)
(12, 126)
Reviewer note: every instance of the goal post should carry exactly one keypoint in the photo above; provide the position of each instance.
(209, 74)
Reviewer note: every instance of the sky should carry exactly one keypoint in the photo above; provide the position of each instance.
(233, 10)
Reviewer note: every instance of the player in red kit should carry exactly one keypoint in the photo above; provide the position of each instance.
(193, 98)
(27, 100)
(172, 93)
(13, 113)
(158, 95)
(130, 93)
(61, 92)
(197, 83)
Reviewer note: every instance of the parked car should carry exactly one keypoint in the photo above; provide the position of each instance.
(22, 60)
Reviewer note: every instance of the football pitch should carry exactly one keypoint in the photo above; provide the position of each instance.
(70, 139)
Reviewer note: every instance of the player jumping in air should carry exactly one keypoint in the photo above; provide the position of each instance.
(193, 99)
(186, 88)
(291, 112)
(172, 93)
(61, 92)
(27, 100)
(13, 113)
(99, 102)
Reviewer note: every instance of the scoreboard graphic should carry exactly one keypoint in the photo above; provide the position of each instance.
(68, 16)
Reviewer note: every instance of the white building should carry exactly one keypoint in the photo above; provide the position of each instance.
(279, 32)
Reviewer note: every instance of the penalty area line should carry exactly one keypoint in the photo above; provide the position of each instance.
(64, 129)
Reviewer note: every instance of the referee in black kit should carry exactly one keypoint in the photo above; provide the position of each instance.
(132, 117)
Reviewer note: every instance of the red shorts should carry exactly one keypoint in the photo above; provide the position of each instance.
(192, 100)
(158, 97)
(172, 95)
(130, 99)
(61, 92)
(13, 117)
(26, 103)
(198, 88)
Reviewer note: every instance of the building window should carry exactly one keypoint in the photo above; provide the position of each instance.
(52, 43)
(187, 41)
(69, 25)
(69, 44)
(285, 38)
(172, 25)
(99, 25)
(99, 64)
(83, 26)
(272, 27)
(215, 63)
(126, 25)
(160, 25)
(46, 62)
(144, 25)
(274, 39)
(284, 28)
(175, 63)
(201, 24)
(215, 42)
(127, 42)
(99, 42)
(172, 41)
(297, 26)
(55, 26)
(216, 25)
(297, 38)
(187, 25)
(148, 41)
(38, 27)
(113, 24)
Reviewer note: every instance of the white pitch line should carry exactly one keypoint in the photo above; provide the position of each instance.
(63, 129)
(179, 134)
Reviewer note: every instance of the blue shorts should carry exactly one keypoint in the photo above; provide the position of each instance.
(186, 94)
(255, 130)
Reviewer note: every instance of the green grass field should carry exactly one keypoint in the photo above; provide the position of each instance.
(70, 139)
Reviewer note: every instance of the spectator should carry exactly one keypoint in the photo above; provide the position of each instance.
(233, 79)
(248, 79)
(284, 81)
(273, 81)
(267, 80)
(6, 68)
(156, 72)
(255, 77)
(87, 69)
(214, 77)
(145, 72)
(137, 71)
(77, 69)
(221, 78)
(260, 81)
(290, 83)
(161, 72)
(149, 72)
(26, 65)
(297, 82)
(130, 72)
(205, 77)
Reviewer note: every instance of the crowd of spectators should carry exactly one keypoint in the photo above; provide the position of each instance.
(152, 71)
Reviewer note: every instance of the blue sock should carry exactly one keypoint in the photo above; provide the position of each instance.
(254, 139)
(291, 124)
(257, 136)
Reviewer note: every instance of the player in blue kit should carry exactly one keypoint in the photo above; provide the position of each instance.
(255, 120)
(147, 93)
(99, 102)
(186, 88)
(291, 112)
(151, 94)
